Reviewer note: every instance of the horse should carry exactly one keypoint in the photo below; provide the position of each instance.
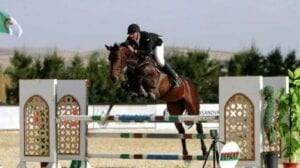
(178, 100)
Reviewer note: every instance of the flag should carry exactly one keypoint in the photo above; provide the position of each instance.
(9, 25)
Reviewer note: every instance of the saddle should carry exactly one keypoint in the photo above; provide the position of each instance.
(148, 60)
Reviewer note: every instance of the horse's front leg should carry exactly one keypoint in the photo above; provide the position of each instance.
(182, 131)
(142, 90)
(147, 86)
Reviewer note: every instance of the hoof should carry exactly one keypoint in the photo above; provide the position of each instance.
(152, 96)
(133, 94)
(185, 153)
(143, 92)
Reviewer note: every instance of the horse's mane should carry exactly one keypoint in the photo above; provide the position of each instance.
(123, 44)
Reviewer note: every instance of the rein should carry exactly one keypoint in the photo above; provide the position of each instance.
(122, 63)
(134, 63)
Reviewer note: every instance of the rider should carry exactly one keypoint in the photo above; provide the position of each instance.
(145, 44)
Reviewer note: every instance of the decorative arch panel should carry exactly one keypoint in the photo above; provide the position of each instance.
(68, 131)
(36, 127)
(240, 125)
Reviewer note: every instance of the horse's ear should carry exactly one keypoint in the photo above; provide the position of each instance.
(108, 47)
(116, 45)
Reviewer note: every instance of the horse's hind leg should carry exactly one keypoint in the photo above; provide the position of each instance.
(193, 109)
(181, 130)
(177, 108)
(200, 131)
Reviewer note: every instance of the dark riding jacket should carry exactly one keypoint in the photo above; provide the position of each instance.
(147, 42)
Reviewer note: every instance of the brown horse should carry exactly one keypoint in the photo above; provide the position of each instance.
(178, 99)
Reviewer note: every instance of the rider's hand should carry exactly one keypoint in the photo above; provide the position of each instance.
(131, 48)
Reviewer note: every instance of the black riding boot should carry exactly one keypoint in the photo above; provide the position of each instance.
(141, 90)
(172, 75)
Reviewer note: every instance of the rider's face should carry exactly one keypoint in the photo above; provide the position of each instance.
(134, 36)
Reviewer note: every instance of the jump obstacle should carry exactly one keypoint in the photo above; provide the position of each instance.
(139, 118)
(149, 135)
(64, 105)
(149, 156)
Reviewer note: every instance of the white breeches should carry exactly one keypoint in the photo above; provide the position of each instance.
(159, 55)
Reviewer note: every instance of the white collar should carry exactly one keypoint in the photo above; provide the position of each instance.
(138, 40)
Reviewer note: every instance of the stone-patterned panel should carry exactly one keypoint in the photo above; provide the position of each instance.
(36, 126)
(68, 132)
(239, 119)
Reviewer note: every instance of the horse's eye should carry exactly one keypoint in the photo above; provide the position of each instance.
(113, 58)
(110, 57)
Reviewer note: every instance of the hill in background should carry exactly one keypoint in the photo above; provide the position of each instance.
(7, 53)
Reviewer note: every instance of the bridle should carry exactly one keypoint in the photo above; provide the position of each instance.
(119, 67)
(123, 60)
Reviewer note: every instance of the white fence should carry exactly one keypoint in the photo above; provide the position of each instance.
(10, 117)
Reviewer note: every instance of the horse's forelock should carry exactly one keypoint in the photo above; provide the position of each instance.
(115, 47)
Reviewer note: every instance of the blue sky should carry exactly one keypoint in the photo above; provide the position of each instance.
(228, 25)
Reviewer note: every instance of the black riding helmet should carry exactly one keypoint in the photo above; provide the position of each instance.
(133, 28)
